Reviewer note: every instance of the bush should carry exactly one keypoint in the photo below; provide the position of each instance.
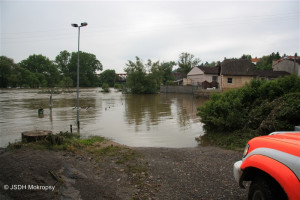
(105, 87)
(223, 112)
(260, 105)
(284, 115)
(119, 87)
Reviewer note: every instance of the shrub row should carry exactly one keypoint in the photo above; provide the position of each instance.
(261, 105)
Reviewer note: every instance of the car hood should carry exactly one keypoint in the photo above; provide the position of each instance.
(292, 138)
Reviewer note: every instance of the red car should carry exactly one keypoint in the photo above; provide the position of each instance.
(272, 164)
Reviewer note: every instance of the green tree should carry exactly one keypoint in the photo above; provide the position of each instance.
(186, 62)
(246, 56)
(167, 68)
(108, 77)
(6, 67)
(66, 82)
(62, 60)
(266, 61)
(137, 80)
(89, 64)
(28, 78)
(43, 68)
(156, 74)
(207, 64)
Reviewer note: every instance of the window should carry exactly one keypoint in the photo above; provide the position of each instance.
(215, 78)
(229, 80)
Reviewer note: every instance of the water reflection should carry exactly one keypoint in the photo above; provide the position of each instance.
(149, 109)
(162, 120)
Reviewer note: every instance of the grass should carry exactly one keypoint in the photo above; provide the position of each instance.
(235, 141)
(60, 141)
(95, 146)
(91, 140)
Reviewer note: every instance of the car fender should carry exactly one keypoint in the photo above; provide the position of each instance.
(282, 173)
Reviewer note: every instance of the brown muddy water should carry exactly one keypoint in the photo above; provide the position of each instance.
(161, 120)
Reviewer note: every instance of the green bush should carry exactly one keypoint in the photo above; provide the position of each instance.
(254, 106)
(284, 115)
(105, 87)
(119, 87)
(223, 112)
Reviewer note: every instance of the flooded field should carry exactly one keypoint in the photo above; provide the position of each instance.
(161, 120)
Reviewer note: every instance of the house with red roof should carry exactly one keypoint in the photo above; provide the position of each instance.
(255, 60)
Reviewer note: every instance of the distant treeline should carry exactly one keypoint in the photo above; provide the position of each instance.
(39, 71)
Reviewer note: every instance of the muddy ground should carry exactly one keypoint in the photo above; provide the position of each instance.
(148, 173)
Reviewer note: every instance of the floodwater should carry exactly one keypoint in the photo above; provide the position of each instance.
(160, 120)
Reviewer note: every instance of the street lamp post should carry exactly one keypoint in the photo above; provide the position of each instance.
(76, 25)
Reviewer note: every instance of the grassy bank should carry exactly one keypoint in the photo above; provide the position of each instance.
(104, 159)
(234, 141)
(97, 147)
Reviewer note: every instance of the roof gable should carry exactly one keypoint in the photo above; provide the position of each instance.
(195, 71)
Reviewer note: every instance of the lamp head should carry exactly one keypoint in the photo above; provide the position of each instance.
(74, 25)
(84, 24)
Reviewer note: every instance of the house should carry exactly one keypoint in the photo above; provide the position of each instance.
(235, 73)
(255, 60)
(289, 64)
(198, 75)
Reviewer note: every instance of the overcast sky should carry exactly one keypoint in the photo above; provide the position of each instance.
(157, 30)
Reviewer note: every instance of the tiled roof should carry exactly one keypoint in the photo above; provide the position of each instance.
(290, 58)
(243, 67)
(237, 67)
(255, 59)
(270, 73)
(210, 70)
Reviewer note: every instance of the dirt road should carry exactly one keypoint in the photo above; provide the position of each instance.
(155, 173)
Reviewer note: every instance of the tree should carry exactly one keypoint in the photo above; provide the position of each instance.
(156, 73)
(207, 64)
(167, 68)
(66, 82)
(266, 61)
(43, 68)
(137, 79)
(89, 64)
(62, 60)
(247, 56)
(108, 77)
(187, 62)
(6, 66)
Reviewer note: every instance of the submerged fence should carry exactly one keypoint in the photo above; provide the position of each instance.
(188, 89)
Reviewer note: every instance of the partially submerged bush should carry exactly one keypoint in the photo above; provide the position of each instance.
(260, 105)
(105, 87)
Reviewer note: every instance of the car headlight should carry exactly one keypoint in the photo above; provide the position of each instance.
(246, 150)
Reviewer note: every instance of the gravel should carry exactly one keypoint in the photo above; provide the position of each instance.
(193, 173)
(156, 173)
